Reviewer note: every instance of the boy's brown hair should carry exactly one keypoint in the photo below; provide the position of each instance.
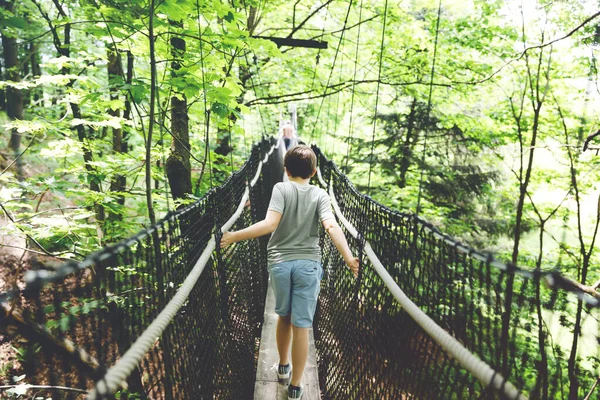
(300, 161)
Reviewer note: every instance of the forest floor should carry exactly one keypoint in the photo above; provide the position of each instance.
(10, 264)
(14, 261)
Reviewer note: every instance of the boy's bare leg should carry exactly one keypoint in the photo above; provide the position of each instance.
(283, 337)
(299, 353)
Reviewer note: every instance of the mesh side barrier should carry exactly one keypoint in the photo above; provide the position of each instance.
(369, 348)
(87, 315)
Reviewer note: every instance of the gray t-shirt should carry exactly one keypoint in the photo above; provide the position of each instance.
(302, 209)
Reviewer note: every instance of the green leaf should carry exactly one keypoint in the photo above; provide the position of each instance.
(14, 22)
(138, 92)
(220, 109)
(176, 10)
(229, 17)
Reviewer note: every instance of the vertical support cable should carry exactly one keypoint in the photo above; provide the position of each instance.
(262, 120)
(206, 110)
(353, 88)
(377, 95)
(435, 47)
(337, 50)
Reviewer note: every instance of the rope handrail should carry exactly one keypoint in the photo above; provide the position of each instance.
(34, 279)
(481, 370)
(116, 376)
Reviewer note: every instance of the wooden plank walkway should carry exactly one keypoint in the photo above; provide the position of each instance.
(267, 386)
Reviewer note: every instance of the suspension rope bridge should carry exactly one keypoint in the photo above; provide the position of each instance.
(166, 314)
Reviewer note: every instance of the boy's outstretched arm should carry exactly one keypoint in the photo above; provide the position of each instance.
(264, 227)
(337, 237)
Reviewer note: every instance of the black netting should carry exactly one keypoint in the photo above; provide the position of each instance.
(78, 324)
(369, 348)
(104, 303)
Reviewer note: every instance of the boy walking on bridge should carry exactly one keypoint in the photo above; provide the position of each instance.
(294, 257)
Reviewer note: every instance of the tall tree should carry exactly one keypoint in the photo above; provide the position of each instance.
(115, 76)
(14, 96)
(585, 252)
(178, 166)
(535, 84)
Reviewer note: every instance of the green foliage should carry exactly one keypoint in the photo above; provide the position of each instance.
(462, 154)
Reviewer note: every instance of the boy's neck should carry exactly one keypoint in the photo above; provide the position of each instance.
(299, 180)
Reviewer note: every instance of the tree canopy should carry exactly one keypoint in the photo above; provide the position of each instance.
(480, 115)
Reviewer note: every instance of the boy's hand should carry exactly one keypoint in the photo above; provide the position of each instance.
(353, 264)
(226, 239)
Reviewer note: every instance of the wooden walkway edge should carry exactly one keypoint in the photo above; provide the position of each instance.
(267, 386)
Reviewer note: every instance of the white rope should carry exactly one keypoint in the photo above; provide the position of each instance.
(273, 148)
(257, 175)
(116, 376)
(468, 360)
(463, 249)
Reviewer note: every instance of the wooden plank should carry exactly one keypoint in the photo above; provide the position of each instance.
(267, 386)
(268, 358)
(277, 391)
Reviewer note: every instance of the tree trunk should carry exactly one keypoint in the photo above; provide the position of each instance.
(127, 113)
(2, 92)
(523, 187)
(537, 97)
(36, 70)
(582, 272)
(115, 73)
(14, 97)
(178, 167)
(409, 144)
(224, 146)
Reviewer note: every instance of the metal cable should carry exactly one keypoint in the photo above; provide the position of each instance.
(377, 94)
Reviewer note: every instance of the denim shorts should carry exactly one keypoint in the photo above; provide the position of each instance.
(296, 285)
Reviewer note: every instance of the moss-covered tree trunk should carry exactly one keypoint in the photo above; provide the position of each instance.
(31, 66)
(14, 97)
(36, 69)
(115, 73)
(178, 167)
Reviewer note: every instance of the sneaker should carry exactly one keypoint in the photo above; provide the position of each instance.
(294, 392)
(283, 371)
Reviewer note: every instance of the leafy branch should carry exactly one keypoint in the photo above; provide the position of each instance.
(527, 49)
(333, 89)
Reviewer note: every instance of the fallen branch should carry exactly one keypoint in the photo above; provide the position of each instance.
(41, 253)
(14, 322)
(19, 156)
(26, 234)
(556, 280)
(589, 395)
